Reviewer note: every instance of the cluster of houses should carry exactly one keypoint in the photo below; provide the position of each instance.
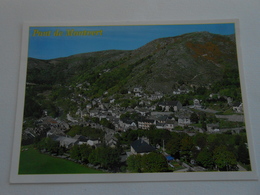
(140, 146)
(165, 115)
(149, 116)
(147, 112)
(58, 134)
(55, 130)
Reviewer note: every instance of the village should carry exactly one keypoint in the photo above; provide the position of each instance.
(164, 115)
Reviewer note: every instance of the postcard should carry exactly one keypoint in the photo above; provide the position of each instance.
(131, 102)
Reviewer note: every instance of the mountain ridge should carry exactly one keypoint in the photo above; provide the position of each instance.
(193, 59)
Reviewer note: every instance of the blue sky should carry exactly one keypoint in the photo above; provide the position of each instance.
(113, 37)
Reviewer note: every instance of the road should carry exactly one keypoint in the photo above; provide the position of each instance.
(240, 168)
(233, 118)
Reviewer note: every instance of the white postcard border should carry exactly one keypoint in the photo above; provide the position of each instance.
(121, 177)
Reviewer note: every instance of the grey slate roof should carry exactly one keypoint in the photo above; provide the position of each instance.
(140, 146)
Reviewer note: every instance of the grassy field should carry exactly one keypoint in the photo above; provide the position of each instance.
(33, 162)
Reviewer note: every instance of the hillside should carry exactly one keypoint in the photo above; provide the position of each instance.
(194, 59)
(190, 61)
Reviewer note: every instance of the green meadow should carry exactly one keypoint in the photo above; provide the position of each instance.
(34, 162)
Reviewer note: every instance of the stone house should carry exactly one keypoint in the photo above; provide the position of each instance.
(55, 132)
(93, 113)
(156, 96)
(212, 127)
(174, 105)
(169, 125)
(67, 142)
(93, 142)
(141, 147)
(138, 91)
(143, 111)
(146, 123)
(184, 121)
(196, 103)
(81, 139)
(126, 124)
(238, 107)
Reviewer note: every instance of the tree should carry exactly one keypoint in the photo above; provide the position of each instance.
(32, 108)
(49, 145)
(186, 146)
(134, 164)
(157, 136)
(80, 152)
(123, 91)
(95, 119)
(75, 153)
(158, 108)
(154, 162)
(133, 103)
(131, 135)
(104, 156)
(212, 119)
(213, 141)
(173, 145)
(224, 159)
(205, 159)
(86, 131)
(51, 108)
(243, 154)
(201, 90)
(200, 140)
(85, 151)
(125, 115)
(107, 123)
(194, 118)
